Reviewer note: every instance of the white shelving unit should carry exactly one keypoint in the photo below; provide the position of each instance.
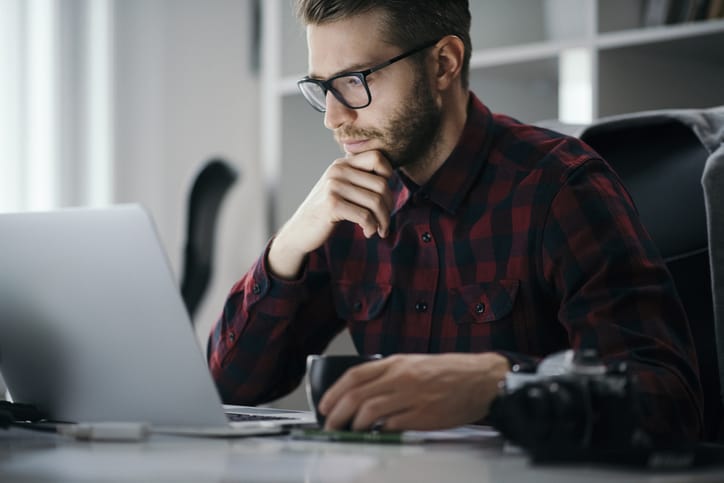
(571, 60)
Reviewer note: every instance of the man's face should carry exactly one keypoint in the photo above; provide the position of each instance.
(403, 119)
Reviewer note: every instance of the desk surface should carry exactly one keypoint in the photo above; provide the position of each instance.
(35, 457)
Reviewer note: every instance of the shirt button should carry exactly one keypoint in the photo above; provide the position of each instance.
(357, 306)
(231, 337)
(480, 308)
(421, 307)
(426, 237)
(256, 289)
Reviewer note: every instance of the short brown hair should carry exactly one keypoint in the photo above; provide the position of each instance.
(409, 22)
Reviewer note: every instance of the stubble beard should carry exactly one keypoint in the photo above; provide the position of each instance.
(412, 134)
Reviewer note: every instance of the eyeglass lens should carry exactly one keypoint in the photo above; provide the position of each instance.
(350, 88)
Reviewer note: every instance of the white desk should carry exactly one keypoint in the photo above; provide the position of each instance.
(26, 457)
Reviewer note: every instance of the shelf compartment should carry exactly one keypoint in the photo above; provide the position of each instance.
(678, 73)
(527, 90)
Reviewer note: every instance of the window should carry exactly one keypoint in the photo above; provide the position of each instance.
(55, 103)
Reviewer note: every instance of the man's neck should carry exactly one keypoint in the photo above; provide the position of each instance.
(452, 124)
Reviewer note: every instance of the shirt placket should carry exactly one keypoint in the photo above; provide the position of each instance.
(425, 279)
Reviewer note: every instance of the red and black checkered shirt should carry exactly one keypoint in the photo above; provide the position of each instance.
(524, 242)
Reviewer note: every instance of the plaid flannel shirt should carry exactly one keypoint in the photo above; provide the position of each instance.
(524, 242)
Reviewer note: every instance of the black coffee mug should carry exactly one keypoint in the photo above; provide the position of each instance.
(323, 371)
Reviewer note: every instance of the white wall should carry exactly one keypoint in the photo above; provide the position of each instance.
(185, 92)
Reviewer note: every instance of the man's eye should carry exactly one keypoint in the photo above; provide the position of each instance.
(353, 81)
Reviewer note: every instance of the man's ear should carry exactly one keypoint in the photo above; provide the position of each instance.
(449, 55)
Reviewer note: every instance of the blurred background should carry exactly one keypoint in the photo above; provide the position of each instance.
(105, 102)
(122, 101)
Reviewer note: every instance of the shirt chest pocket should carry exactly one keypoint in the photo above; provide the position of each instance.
(361, 302)
(483, 302)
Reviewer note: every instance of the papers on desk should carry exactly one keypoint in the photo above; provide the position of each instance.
(220, 432)
(463, 433)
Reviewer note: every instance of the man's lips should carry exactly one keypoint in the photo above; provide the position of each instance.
(354, 145)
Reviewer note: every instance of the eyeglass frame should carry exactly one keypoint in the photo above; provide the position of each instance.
(326, 85)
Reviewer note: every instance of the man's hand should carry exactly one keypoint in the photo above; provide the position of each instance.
(421, 392)
(354, 189)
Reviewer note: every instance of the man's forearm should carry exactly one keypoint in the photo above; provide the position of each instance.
(285, 260)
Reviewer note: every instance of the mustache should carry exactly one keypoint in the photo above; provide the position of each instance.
(357, 133)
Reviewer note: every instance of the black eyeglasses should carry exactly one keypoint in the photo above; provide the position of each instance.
(349, 88)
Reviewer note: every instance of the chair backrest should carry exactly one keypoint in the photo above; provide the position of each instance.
(713, 183)
(208, 188)
(660, 160)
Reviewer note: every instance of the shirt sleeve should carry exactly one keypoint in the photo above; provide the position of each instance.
(616, 296)
(257, 349)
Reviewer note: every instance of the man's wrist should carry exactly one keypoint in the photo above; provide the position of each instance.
(283, 260)
(496, 366)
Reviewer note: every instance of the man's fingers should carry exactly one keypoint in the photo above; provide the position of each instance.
(348, 407)
(373, 182)
(352, 378)
(415, 392)
(410, 419)
(360, 394)
(362, 180)
(372, 161)
(364, 203)
(346, 210)
(377, 410)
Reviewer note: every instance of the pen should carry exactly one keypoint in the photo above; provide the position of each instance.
(355, 436)
(106, 431)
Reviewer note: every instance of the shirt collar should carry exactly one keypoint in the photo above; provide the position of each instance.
(450, 184)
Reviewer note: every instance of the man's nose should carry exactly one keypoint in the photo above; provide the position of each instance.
(337, 113)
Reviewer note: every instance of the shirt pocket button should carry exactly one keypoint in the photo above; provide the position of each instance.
(479, 308)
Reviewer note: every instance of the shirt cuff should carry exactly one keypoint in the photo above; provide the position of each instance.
(272, 295)
(520, 362)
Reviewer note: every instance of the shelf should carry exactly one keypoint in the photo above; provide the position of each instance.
(705, 47)
(649, 35)
(617, 15)
(671, 73)
(520, 53)
(621, 15)
(527, 91)
(497, 24)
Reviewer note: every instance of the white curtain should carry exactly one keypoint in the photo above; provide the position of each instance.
(55, 103)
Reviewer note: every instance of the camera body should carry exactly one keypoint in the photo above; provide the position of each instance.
(572, 407)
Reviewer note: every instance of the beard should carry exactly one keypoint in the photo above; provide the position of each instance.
(411, 134)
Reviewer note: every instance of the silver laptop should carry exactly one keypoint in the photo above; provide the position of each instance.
(93, 327)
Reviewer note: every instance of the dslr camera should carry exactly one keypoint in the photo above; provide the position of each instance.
(572, 407)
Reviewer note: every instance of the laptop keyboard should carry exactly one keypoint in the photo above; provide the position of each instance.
(253, 417)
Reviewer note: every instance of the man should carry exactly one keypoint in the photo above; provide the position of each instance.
(455, 241)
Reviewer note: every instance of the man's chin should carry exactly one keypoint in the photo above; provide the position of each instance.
(359, 148)
(392, 159)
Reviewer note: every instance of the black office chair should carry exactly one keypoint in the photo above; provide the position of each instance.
(208, 189)
(713, 183)
(660, 160)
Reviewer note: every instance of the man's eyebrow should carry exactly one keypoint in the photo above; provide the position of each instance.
(351, 68)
